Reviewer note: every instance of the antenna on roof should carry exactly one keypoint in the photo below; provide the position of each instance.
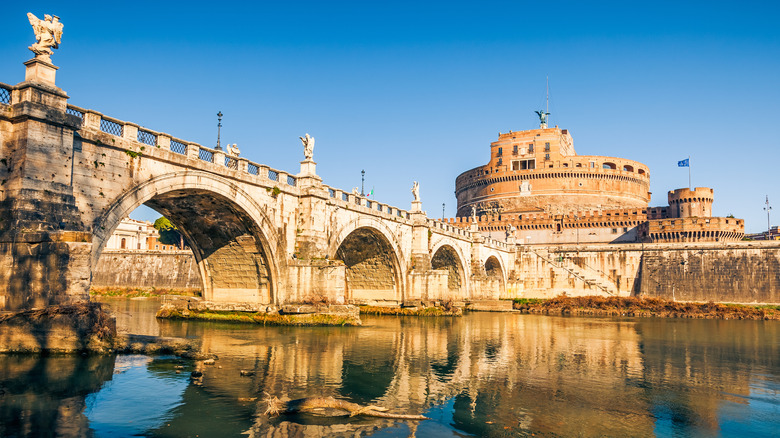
(543, 114)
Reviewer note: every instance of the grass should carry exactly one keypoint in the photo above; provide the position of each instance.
(656, 307)
(313, 319)
(131, 292)
(410, 311)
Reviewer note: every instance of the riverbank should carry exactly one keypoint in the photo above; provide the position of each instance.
(143, 292)
(645, 307)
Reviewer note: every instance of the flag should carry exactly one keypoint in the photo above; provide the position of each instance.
(372, 193)
(684, 163)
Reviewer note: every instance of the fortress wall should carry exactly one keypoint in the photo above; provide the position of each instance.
(159, 269)
(739, 272)
(744, 272)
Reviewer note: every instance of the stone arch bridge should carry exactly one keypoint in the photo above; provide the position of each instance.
(261, 236)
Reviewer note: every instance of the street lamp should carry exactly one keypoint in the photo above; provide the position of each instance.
(219, 129)
(768, 227)
(442, 211)
(362, 182)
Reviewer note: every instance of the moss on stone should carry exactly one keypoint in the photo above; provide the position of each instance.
(309, 319)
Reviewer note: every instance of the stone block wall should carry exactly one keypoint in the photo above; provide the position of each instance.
(738, 273)
(146, 269)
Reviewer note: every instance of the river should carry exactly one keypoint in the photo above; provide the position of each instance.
(484, 374)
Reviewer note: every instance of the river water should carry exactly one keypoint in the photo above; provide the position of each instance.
(485, 374)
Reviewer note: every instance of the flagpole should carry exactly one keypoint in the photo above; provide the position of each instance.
(689, 173)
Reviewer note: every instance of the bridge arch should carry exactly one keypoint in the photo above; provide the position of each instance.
(238, 251)
(445, 255)
(495, 285)
(373, 260)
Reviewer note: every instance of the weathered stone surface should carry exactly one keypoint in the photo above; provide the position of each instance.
(146, 269)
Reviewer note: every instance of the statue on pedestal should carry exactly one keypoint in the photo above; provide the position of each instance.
(473, 213)
(308, 146)
(233, 149)
(416, 191)
(48, 35)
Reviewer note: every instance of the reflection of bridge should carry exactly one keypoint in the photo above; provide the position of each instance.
(259, 235)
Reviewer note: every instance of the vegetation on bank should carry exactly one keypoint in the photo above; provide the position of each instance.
(133, 292)
(309, 319)
(411, 311)
(633, 306)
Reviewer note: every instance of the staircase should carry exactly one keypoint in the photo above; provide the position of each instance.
(589, 276)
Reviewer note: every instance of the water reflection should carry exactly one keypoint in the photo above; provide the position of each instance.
(483, 375)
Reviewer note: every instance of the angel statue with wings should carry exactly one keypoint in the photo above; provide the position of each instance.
(308, 146)
(48, 33)
(416, 191)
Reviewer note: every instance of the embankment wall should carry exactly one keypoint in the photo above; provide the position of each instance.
(146, 269)
(738, 272)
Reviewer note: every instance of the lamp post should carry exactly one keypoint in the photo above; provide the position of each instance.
(768, 227)
(219, 129)
(442, 211)
(362, 182)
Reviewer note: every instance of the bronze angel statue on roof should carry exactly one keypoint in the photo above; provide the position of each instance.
(48, 33)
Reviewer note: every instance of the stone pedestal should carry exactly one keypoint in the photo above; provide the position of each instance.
(416, 207)
(308, 168)
(40, 72)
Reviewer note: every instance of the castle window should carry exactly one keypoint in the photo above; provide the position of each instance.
(565, 164)
(123, 244)
(499, 152)
(609, 166)
(547, 147)
(499, 161)
(546, 156)
(614, 231)
(592, 164)
(628, 168)
(514, 150)
(530, 148)
(515, 165)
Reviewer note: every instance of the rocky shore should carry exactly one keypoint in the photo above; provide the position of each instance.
(647, 307)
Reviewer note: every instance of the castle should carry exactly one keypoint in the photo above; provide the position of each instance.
(536, 189)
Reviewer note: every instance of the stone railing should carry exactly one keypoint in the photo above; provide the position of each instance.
(5, 93)
(349, 200)
(449, 229)
(132, 132)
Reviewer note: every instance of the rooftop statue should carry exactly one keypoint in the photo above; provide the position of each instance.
(48, 33)
(473, 213)
(416, 191)
(308, 146)
(233, 149)
(542, 117)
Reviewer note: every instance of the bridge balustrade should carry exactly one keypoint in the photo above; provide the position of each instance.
(206, 155)
(113, 127)
(147, 137)
(5, 94)
(178, 147)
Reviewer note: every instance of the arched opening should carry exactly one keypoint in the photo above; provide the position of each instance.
(493, 286)
(372, 272)
(230, 257)
(445, 258)
(628, 168)
(609, 166)
(124, 243)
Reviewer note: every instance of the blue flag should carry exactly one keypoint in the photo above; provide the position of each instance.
(683, 163)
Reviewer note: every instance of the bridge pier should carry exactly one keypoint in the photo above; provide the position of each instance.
(44, 246)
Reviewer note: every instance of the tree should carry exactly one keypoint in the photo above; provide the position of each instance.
(169, 234)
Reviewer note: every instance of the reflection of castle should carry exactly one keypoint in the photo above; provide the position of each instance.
(536, 189)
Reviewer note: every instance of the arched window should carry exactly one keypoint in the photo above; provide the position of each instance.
(123, 244)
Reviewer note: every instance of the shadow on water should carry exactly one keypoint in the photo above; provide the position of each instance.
(480, 375)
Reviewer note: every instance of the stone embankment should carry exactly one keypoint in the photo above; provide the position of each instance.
(644, 307)
(294, 315)
(84, 327)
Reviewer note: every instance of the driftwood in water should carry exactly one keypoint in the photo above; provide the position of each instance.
(321, 405)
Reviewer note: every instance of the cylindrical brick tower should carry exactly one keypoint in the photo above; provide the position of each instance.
(690, 203)
(538, 171)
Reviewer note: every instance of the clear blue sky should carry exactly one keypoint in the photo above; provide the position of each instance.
(417, 91)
